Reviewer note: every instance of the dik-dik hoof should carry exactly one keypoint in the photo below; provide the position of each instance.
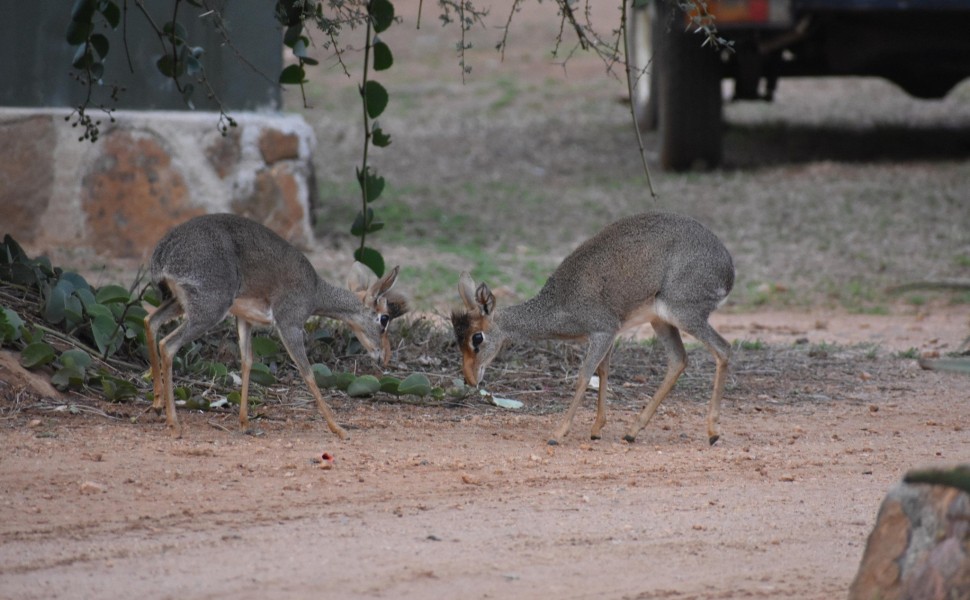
(629, 438)
(553, 442)
(713, 439)
(594, 436)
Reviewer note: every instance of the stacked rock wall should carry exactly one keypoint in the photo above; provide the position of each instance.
(146, 173)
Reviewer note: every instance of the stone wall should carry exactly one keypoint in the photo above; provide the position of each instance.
(148, 172)
(919, 548)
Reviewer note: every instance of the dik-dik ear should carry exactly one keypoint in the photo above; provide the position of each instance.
(385, 283)
(481, 300)
(485, 298)
(466, 289)
(357, 279)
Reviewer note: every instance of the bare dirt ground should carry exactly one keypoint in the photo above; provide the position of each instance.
(824, 410)
(431, 501)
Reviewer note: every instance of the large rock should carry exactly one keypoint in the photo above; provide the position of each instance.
(149, 171)
(919, 548)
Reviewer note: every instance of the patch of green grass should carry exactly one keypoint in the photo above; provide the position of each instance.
(917, 300)
(822, 350)
(912, 353)
(962, 260)
(429, 281)
(752, 345)
(858, 297)
(508, 90)
(761, 293)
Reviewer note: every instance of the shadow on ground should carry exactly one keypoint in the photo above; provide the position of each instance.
(759, 145)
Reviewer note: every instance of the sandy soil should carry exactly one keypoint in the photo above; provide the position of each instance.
(97, 501)
(432, 501)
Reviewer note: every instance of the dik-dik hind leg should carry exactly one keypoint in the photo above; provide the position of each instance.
(721, 350)
(168, 348)
(669, 338)
(167, 311)
(201, 313)
(292, 337)
(600, 345)
(603, 371)
(244, 328)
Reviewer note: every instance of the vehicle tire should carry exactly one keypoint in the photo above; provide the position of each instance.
(642, 73)
(688, 95)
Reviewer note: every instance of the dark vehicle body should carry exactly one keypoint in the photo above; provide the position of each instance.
(923, 46)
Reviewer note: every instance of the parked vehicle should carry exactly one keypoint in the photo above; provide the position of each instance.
(922, 46)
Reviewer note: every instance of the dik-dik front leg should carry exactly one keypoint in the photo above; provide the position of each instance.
(292, 337)
(244, 329)
(600, 344)
(603, 372)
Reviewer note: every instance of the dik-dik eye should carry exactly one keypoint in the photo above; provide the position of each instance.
(384, 321)
(477, 339)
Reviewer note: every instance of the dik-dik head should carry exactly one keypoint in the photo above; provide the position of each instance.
(478, 336)
(381, 307)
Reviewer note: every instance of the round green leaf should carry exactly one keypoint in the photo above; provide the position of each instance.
(11, 325)
(383, 59)
(292, 75)
(116, 390)
(78, 32)
(107, 335)
(375, 96)
(371, 258)
(368, 225)
(215, 369)
(264, 346)
(365, 385)
(374, 184)
(112, 293)
(380, 139)
(100, 44)
(54, 307)
(86, 297)
(24, 275)
(67, 377)
(36, 355)
(75, 357)
(381, 13)
(390, 385)
(415, 384)
(99, 310)
(176, 30)
(111, 12)
(261, 374)
(340, 381)
(166, 65)
(293, 34)
(73, 313)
